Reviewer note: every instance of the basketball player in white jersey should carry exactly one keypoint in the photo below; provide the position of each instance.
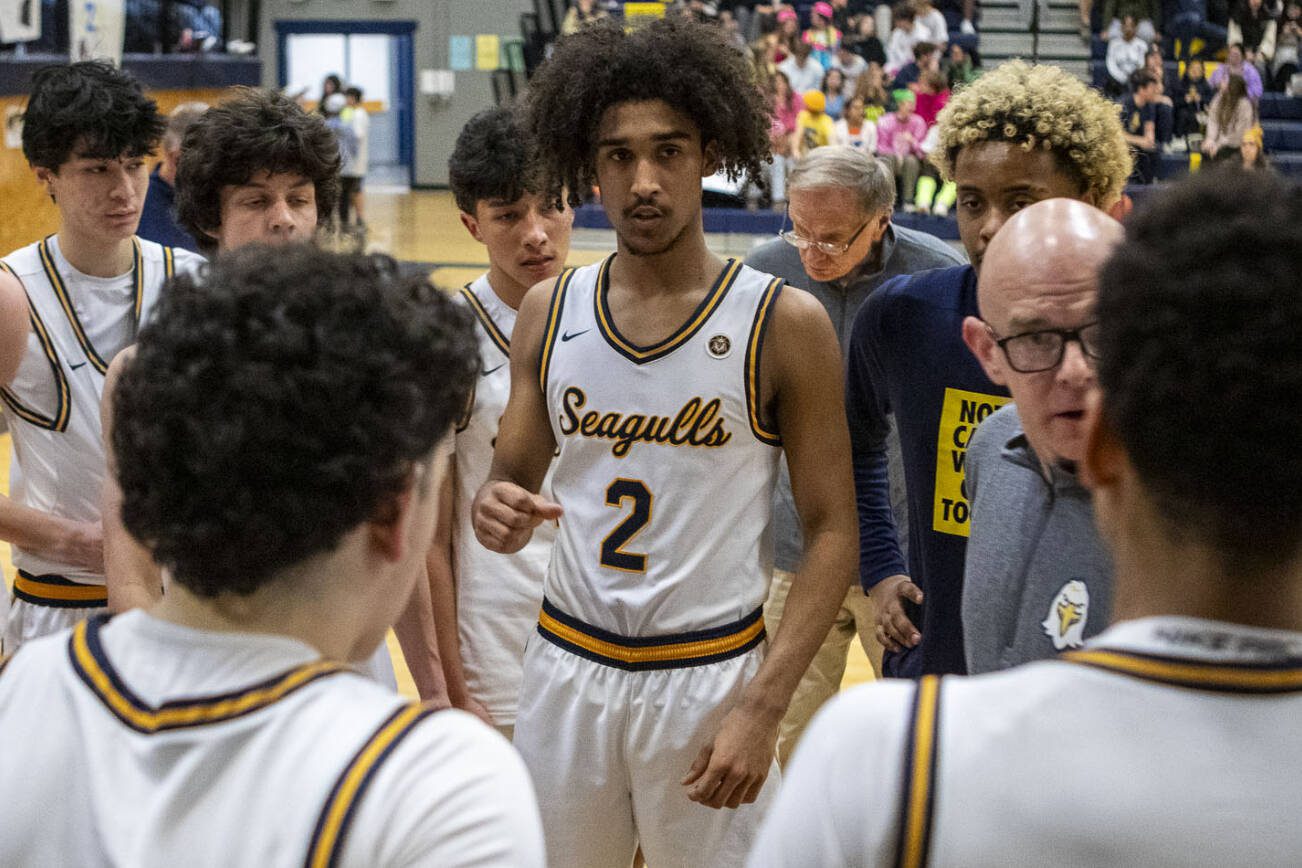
(219, 727)
(256, 168)
(72, 301)
(1171, 738)
(486, 604)
(669, 380)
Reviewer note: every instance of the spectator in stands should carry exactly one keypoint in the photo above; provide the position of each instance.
(960, 15)
(932, 96)
(1147, 15)
(930, 25)
(1288, 35)
(899, 143)
(822, 37)
(1253, 26)
(333, 109)
(1125, 56)
(958, 67)
(787, 106)
(732, 30)
(841, 248)
(866, 44)
(353, 173)
(1236, 64)
(788, 31)
(581, 12)
(158, 216)
(330, 85)
(872, 88)
(834, 92)
(802, 71)
(1229, 118)
(850, 64)
(933, 195)
(1139, 120)
(1192, 100)
(854, 130)
(899, 48)
(1251, 150)
(926, 59)
(814, 127)
(1164, 106)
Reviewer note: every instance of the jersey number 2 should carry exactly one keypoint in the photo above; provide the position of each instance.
(612, 547)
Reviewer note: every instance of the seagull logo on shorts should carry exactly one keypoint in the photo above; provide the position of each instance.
(1068, 612)
(719, 346)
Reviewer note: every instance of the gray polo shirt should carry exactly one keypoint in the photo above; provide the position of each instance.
(1037, 579)
(902, 251)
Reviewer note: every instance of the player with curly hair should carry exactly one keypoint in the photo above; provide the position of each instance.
(68, 305)
(292, 541)
(669, 383)
(255, 169)
(1015, 136)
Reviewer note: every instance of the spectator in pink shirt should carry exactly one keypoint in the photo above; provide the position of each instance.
(932, 96)
(899, 145)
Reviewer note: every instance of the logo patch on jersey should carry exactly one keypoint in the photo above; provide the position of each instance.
(719, 346)
(1068, 612)
(492, 370)
(698, 423)
(569, 336)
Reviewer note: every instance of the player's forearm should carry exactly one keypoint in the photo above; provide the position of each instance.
(816, 593)
(416, 636)
(443, 602)
(40, 533)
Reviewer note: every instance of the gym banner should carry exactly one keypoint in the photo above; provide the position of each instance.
(96, 29)
(20, 20)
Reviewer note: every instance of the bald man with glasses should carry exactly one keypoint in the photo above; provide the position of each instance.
(1037, 579)
(839, 245)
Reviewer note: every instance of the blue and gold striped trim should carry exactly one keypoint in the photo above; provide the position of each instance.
(65, 300)
(552, 327)
(495, 334)
(1278, 677)
(635, 653)
(56, 592)
(63, 402)
(754, 350)
(169, 270)
(641, 355)
(95, 670)
(918, 793)
(331, 832)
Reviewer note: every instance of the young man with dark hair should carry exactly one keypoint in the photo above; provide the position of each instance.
(68, 305)
(485, 603)
(231, 727)
(670, 382)
(1015, 136)
(1129, 751)
(1139, 120)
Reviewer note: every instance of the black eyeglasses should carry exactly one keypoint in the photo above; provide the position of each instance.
(802, 243)
(1032, 352)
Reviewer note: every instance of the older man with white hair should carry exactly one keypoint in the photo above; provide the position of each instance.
(841, 246)
(1038, 579)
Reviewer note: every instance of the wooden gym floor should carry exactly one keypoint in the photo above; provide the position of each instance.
(423, 226)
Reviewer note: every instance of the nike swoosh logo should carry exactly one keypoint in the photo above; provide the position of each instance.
(75, 367)
(569, 337)
(491, 370)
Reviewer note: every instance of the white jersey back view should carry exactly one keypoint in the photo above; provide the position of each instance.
(665, 468)
(497, 595)
(148, 743)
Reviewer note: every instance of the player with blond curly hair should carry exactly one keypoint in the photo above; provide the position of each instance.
(1018, 135)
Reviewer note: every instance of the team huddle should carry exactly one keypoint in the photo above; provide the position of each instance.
(561, 488)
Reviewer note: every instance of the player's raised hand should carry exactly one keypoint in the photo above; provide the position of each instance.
(731, 770)
(894, 629)
(505, 514)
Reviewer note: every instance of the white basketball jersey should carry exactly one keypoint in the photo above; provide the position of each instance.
(666, 468)
(145, 743)
(1164, 741)
(498, 596)
(79, 323)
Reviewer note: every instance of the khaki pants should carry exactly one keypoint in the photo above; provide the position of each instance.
(822, 679)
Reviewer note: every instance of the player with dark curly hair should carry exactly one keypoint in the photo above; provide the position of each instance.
(486, 604)
(68, 305)
(1127, 751)
(672, 382)
(256, 168)
(1017, 135)
(279, 430)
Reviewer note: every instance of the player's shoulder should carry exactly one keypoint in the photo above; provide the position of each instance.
(24, 261)
(187, 261)
(33, 664)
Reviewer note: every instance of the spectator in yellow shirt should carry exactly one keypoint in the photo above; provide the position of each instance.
(814, 126)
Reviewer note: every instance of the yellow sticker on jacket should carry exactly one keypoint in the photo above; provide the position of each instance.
(959, 416)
